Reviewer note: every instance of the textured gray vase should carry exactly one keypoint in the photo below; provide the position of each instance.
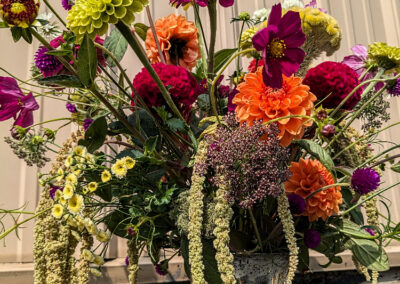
(261, 268)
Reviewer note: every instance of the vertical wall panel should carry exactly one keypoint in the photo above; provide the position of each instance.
(362, 21)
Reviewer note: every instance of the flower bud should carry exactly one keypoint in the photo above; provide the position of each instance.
(328, 130)
(322, 114)
(244, 16)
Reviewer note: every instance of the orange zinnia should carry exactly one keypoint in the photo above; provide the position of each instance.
(256, 101)
(309, 176)
(178, 41)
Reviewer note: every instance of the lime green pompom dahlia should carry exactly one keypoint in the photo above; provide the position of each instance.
(94, 16)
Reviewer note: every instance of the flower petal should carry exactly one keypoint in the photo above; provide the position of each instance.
(9, 110)
(360, 51)
(290, 24)
(272, 74)
(9, 90)
(263, 37)
(226, 3)
(25, 118)
(275, 15)
(29, 102)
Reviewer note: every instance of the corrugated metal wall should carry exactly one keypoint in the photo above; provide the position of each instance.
(362, 21)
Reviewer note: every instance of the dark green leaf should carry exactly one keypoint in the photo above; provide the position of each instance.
(117, 222)
(161, 111)
(57, 52)
(352, 230)
(27, 35)
(396, 167)
(304, 258)
(141, 30)
(95, 135)
(16, 33)
(222, 56)
(176, 124)
(369, 254)
(185, 254)
(87, 59)
(150, 144)
(62, 80)
(117, 45)
(204, 102)
(166, 198)
(318, 152)
(211, 273)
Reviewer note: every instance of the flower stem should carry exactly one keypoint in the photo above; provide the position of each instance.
(379, 155)
(238, 59)
(385, 160)
(212, 10)
(254, 222)
(200, 25)
(153, 30)
(55, 13)
(51, 120)
(324, 188)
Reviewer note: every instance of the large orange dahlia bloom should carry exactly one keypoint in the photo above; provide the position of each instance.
(178, 40)
(256, 101)
(308, 176)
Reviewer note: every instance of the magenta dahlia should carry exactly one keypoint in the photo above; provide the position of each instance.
(181, 84)
(332, 82)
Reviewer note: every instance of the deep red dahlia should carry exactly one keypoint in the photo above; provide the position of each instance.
(335, 80)
(20, 13)
(182, 87)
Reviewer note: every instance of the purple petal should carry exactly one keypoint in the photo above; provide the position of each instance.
(29, 102)
(202, 3)
(360, 51)
(354, 61)
(291, 62)
(9, 90)
(9, 110)
(272, 74)
(275, 15)
(289, 25)
(294, 40)
(312, 4)
(226, 3)
(25, 118)
(263, 37)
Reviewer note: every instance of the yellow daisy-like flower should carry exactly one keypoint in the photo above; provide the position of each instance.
(80, 224)
(119, 169)
(129, 162)
(70, 221)
(387, 57)
(93, 16)
(75, 204)
(87, 255)
(90, 226)
(57, 211)
(95, 272)
(58, 194)
(105, 176)
(102, 237)
(80, 151)
(69, 161)
(85, 190)
(98, 260)
(71, 179)
(92, 186)
(60, 174)
(62, 200)
(69, 190)
(78, 173)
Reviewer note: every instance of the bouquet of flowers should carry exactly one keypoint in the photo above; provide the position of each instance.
(185, 157)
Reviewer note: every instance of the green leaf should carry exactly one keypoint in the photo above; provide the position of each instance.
(204, 102)
(3, 25)
(16, 33)
(396, 167)
(352, 230)
(166, 198)
(95, 135)
(150, 144)
(141, 30)
(369, 254)
(304, 258)
(117, 222)
(87, 59)
(222, 56)
(176, 124)
(117, 45)
(318, 152)
(68, 81)
(211, 273)
(162, 113)
(27, 35)
(58, 52)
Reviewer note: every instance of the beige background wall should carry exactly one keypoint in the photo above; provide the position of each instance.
(362, 21)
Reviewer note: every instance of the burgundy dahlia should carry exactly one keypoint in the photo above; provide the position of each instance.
(182, 87)
(365, 180)
(332, 82)
(297, 204)
(280, 44)
(312, 238)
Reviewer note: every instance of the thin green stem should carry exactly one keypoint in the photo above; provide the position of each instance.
(200, 25)
(24, 82)
(238, 59)
(55, 13)
(324, 188)
(51, 120)
(385, 160)
(254, 222)
(212, 11)
(2, 211)
(379, 155)
(153, 30)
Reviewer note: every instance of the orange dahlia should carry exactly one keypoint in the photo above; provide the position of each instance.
(308, 176)
(256, 101)
(178, 40)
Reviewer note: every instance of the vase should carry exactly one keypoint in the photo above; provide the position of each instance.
(262, 268)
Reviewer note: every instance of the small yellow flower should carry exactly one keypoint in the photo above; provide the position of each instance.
(60, 173)
(70, 221)
(72, 179)
(69, 161)
(78, 173)
(105, 176)
(85, 190)
(90, 226)
(92, 186)
(129, 162)
(119, 169)
(75, 204)
(102, 237)
(58, 194)
(80, 151)
(95, 272)
(57, 211)
(91, 159)
(98, 260)
(76, 235)
(87, 255)
(62, 200)
(80, 223)
(68, 191)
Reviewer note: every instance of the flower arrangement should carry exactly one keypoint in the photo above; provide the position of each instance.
(179, 159)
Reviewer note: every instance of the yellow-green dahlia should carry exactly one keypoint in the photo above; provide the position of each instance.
(387, 57)
(93, 16)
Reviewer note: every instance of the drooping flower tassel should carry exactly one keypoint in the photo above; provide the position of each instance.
(361, 269)
(84, 263)
(223, 215)
(289, 230)
(371, 210)
(133, 267)
(196, 216)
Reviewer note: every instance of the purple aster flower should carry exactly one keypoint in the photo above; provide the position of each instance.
(359, 63)
(14, 103)
(127, 261)
(365, 180)
(47, 64)
(370, 231)
(394, 89)
(86, 123)
(53, 189)
(71, 108)
(297, 204)
(312, 238)
(67, 4)
(279, 43)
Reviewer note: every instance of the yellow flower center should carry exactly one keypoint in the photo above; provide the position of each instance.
(17, 8)
(276, 48)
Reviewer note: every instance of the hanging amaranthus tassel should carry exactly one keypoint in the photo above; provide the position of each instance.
(196, 207)
(133, 255)
(361, 269)
(223, 215)
(371, 210)
(289, 230)
(84, 263)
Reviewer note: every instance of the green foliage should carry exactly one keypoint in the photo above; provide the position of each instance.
(141, 30)
(176, 124)
(222, 57)
(117, 45)
(315, 150)
(68, 81)
(396, 167)
(95, 135)
(87, 62)
(369, 254)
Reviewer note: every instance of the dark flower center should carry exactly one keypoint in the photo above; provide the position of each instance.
(176, 50)
(276, 48)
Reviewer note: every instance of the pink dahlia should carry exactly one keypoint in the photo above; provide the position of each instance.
(332, 82)
(181, 84)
